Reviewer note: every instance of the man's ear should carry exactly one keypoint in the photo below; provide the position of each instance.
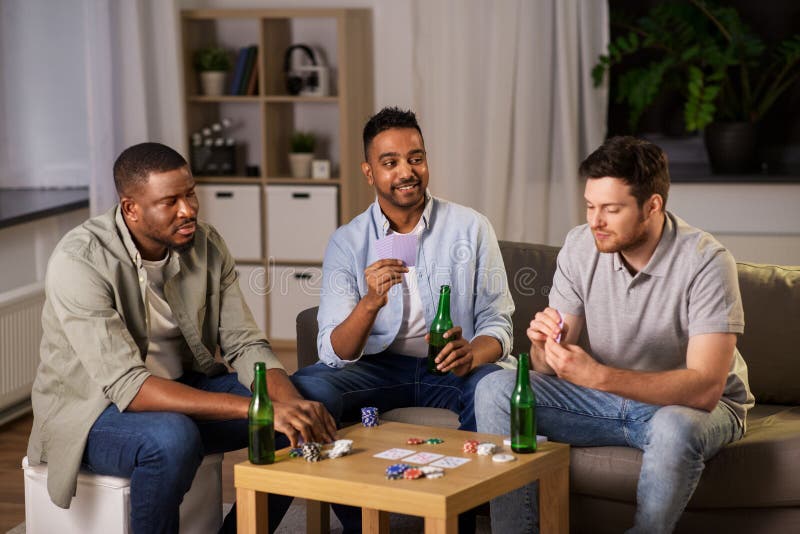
(129, 208)
(655, 203)
(367, 170)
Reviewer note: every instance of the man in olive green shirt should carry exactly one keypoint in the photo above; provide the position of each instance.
(137, 302)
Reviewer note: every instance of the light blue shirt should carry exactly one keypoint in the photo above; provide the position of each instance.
(457, 247)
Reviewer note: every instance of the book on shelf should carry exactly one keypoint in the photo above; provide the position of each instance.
(249, 68)
(238, 72)
(252, 84)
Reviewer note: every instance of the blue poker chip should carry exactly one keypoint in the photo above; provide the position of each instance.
(396, 471)
(369, 416)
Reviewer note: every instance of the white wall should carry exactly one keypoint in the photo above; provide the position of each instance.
(756, 222)
(26, 247)
(43, 126)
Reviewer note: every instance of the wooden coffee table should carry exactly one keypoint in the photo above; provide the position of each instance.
(359, 480)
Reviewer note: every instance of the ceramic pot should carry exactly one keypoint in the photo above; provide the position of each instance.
(300, 164)
(212, 82)
(731, 147)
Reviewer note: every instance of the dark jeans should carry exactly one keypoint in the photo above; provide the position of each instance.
(389, 381)
(161, 451)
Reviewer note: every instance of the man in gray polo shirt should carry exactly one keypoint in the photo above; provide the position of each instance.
(657, 368)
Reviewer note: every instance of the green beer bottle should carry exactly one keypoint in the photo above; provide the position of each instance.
(441, 324)
(261, 421)
(523, 410)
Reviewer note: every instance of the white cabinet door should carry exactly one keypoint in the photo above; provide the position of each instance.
(300, 220)
(235, 211)
(292, 290)
(253, 283)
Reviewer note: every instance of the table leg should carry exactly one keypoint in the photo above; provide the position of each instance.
(554, 502)
(251, 512)
(374, 521)
(318, 518)
(435, 525)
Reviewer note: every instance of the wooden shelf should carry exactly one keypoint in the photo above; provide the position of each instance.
(242, 99)
(245, 180)
(264, 123)
(285, 180)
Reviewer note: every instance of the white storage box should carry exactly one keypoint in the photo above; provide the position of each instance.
(102, 503)
(292, 290)
(300, 220)
(235, 211)
(253, 283)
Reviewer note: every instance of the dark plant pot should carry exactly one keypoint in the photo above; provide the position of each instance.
(731, 147)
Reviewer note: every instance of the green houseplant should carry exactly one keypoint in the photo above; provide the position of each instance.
(302, 152)
(303, 141)
(726, 76)
(213, 64)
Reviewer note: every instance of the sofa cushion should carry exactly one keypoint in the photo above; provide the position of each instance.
(530, 269)
(760, 470)
(439, 417)
(771, 341)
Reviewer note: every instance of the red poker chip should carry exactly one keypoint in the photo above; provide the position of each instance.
(415, 441)
(412, 473)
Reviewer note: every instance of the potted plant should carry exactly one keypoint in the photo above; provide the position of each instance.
(213, 63)
(727, 78)
(302, 152)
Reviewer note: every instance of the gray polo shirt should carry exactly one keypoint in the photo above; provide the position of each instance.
(689, 287)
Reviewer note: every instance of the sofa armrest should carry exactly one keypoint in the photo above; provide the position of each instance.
(307, 337)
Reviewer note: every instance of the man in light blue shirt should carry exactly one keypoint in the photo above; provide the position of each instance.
(375, 313)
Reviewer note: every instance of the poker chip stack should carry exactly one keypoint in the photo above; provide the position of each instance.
(432, 472)
(296, 452)
(486, 449)
(434, 441)
(369, 416)
(471, 446)
(395, 471)
(341, 447)
(412, 473)
(311, 452)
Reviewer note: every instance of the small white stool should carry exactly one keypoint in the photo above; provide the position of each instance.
(102, 503)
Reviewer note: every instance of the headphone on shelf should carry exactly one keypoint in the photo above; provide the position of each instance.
(294, 81)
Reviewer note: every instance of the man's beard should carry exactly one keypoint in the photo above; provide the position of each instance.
(182, 247)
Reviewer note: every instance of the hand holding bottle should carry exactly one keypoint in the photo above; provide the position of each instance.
(456, 355)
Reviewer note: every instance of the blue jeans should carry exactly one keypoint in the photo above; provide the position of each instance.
(676, 442)
(388, 381)
(161, 451)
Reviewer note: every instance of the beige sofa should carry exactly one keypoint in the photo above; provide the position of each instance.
(751, 486)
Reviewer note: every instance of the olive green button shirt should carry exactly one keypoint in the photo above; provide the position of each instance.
(95, 322)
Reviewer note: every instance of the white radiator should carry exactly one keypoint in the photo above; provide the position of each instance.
(20, 335)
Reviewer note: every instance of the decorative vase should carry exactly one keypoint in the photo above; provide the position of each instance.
(300, 164)
(731, 147)
(212, 82)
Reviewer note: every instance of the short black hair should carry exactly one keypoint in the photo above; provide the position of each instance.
(639, 163)
(389, 117)
(135, 164)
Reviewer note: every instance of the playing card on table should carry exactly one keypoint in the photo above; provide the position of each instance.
(423, 458)
(450, 462)
(393, 454)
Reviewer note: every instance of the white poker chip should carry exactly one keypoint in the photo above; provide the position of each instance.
(503, 458)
